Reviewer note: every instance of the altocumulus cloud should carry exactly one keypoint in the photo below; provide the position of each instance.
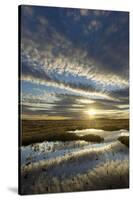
(76, 52)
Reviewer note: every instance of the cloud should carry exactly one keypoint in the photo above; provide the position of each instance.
(84, 12)
(65, 75)
(59, 54)
(94, 25)
(70, 106)
(33, 70)
(77, 51)
(28, 11)
(76, 65)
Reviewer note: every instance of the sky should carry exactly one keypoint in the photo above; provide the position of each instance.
(74, 63)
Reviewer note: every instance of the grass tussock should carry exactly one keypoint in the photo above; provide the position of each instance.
(124, 140)
(63, 137)
(92, 138)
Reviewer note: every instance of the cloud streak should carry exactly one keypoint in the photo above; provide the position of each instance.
(77, 52)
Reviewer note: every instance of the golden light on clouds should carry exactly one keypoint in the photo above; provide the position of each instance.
(85, 101)
(72, 77)
(91, 112)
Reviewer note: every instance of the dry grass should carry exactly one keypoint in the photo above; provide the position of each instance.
(110, 175)
(56, 130)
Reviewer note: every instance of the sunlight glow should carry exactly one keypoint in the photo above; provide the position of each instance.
(85, 101)
(91, 112)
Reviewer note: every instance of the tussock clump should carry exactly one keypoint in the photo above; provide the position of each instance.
(92, 138)
(124, 140)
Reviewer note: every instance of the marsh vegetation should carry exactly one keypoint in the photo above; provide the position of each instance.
(34, 131)
(65, 156)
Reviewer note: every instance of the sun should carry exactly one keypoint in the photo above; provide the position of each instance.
(91, 112)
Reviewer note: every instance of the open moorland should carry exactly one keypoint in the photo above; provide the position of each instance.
(57, 130)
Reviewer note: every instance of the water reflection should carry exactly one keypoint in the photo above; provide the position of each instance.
(50, 150)
(107, 135)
